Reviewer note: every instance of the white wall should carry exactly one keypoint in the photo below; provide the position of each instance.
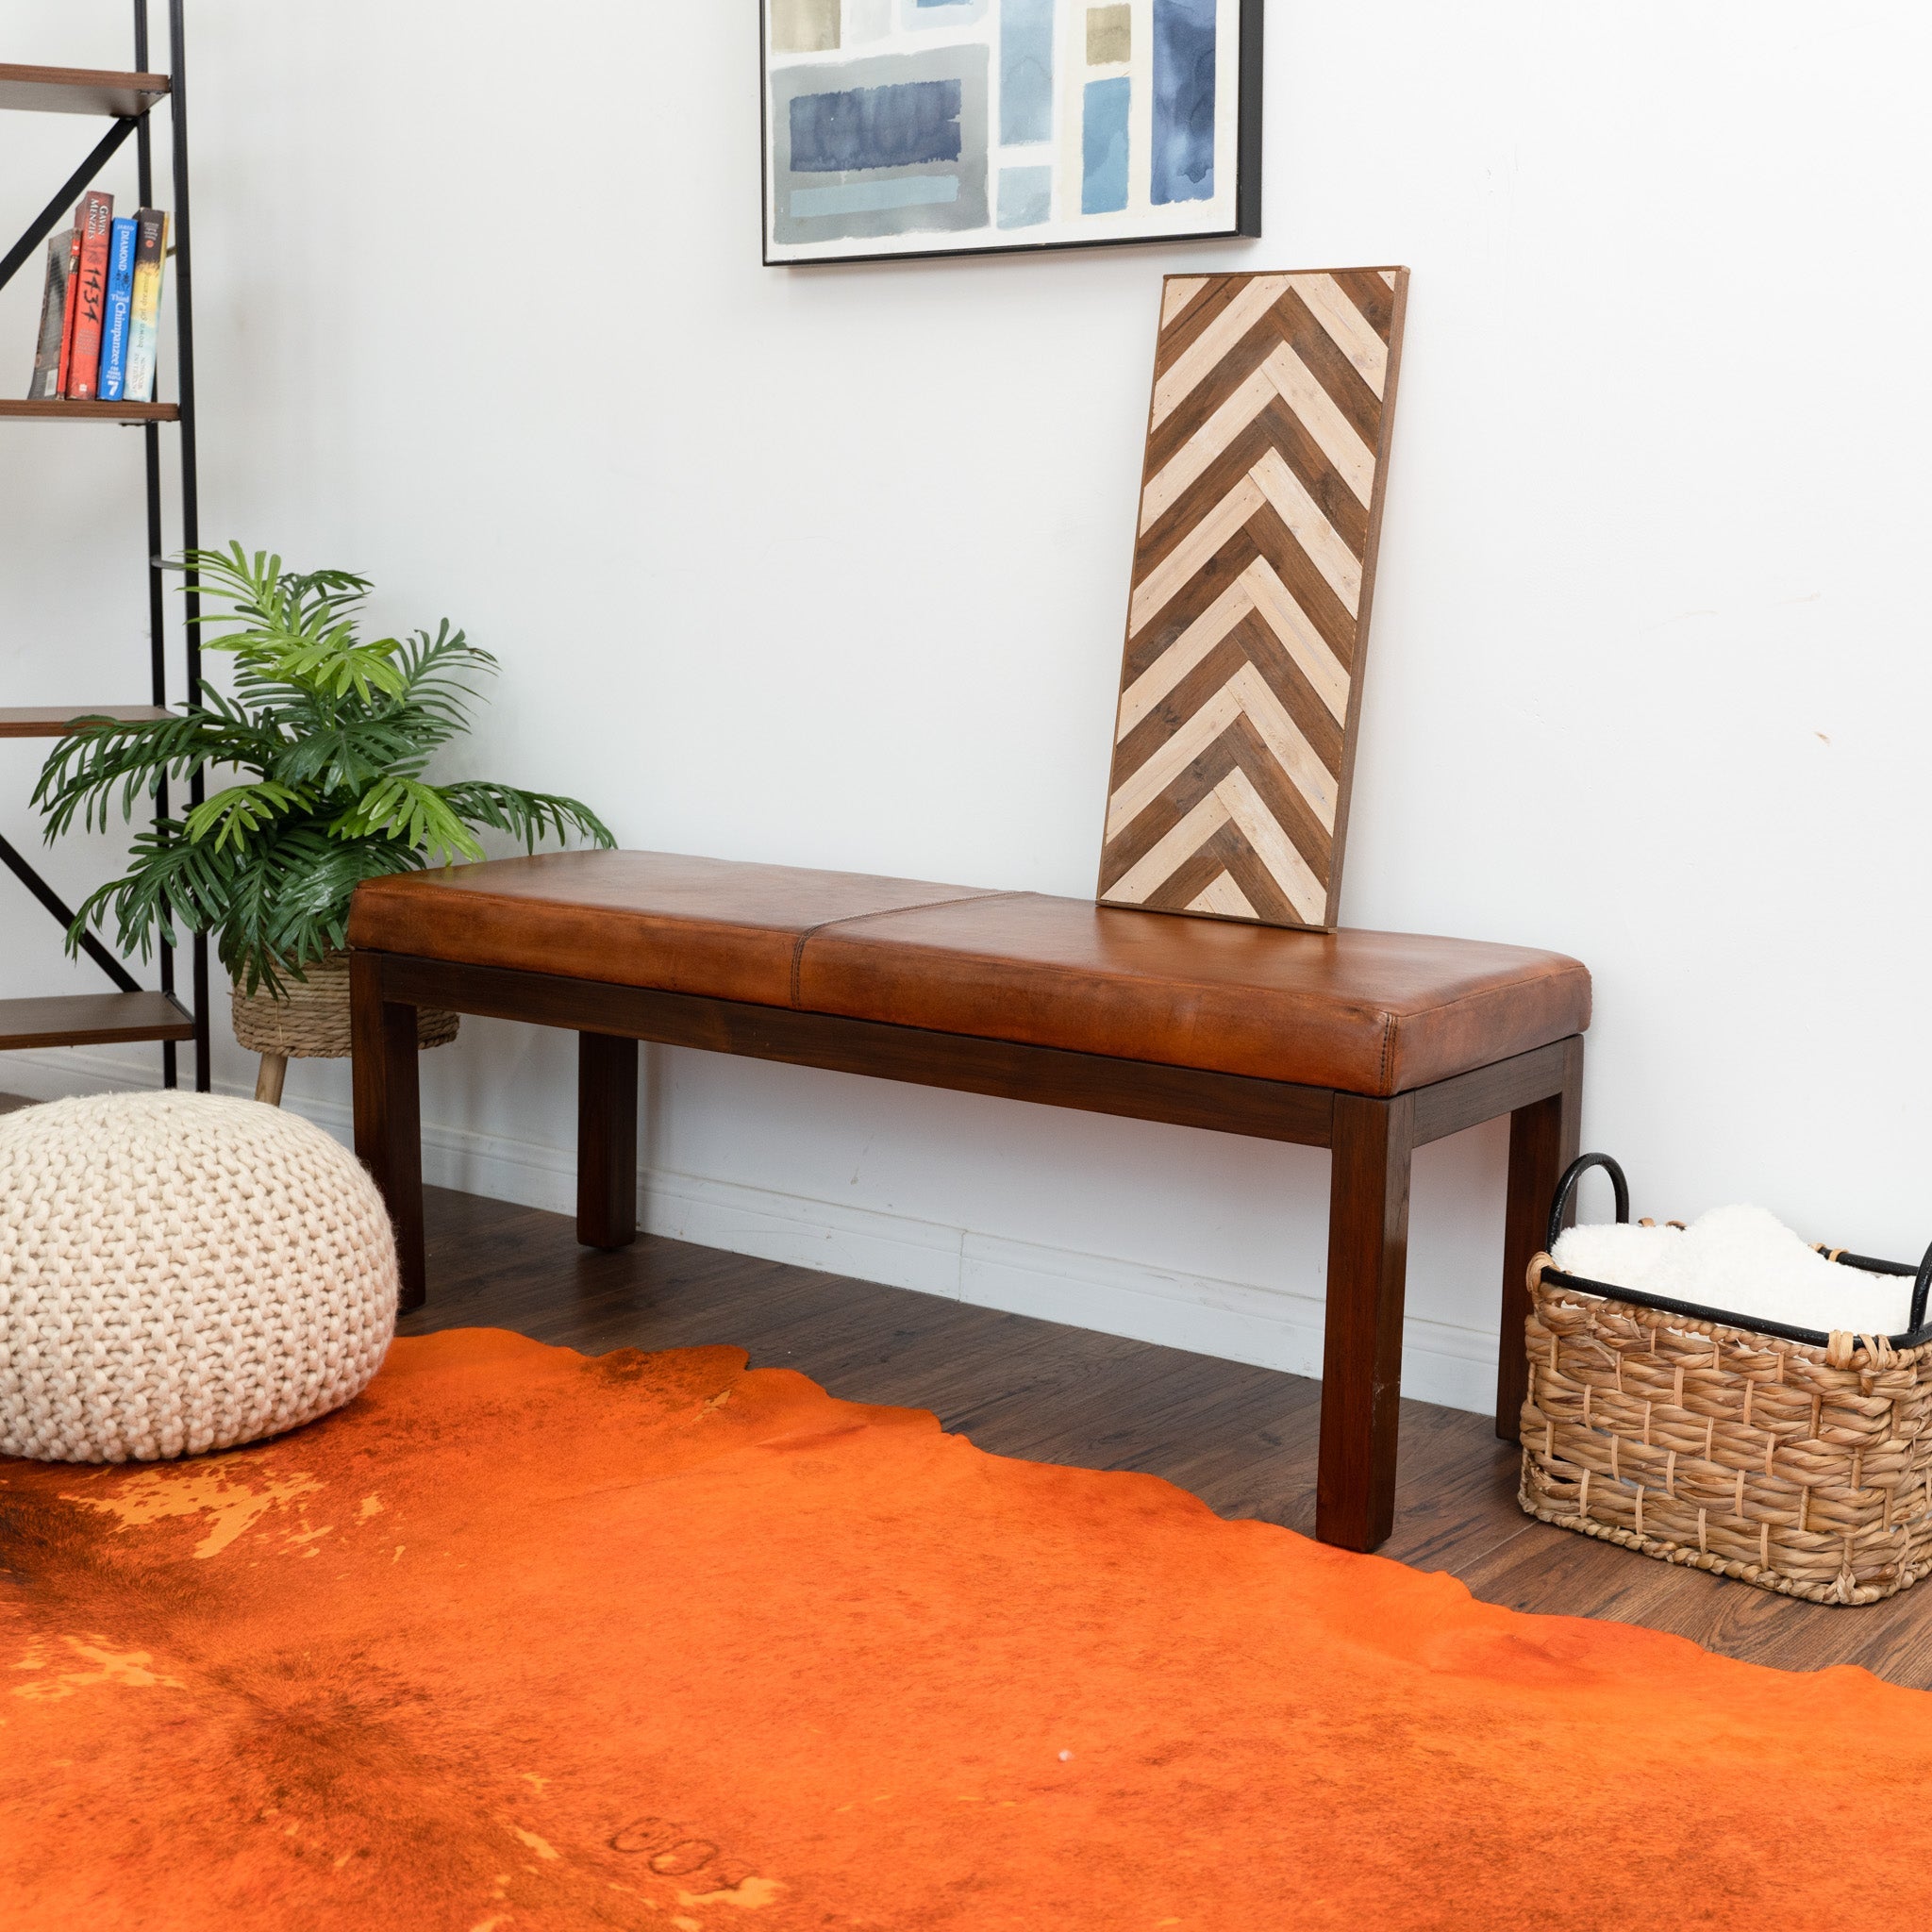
(829, 567)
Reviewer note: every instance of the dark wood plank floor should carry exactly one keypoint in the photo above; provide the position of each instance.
(1242, 1438)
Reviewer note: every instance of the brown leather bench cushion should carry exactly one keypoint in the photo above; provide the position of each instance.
(1366, 1012)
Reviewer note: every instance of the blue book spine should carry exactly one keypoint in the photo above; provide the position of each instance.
(120, 304)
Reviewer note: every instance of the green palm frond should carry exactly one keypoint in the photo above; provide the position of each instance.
(438, 674)
(409, 812)
(331, 738)
(290, 902)
(232, 815)
(315, 877)
(349, 753)
(85, 769)
(167, 879)
(269, 603)
(296, 633)
(336, 664)
(529, 816)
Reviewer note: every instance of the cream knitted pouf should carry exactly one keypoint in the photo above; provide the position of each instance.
(179, 1273)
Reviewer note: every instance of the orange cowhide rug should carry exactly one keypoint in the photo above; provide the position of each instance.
(526, 1640)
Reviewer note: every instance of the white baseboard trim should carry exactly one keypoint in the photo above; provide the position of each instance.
(1274, 1328)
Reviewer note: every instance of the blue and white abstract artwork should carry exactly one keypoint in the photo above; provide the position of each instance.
(945, 127)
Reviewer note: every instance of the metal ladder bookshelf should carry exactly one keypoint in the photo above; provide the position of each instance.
(127, 101)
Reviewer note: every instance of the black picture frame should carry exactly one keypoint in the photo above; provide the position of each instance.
(1248, 155)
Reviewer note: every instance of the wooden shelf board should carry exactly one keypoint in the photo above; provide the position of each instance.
(92, 1019)
(79, 90)
(56, 721)
(36, 411)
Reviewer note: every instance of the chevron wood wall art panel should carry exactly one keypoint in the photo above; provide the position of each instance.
(1253, 573)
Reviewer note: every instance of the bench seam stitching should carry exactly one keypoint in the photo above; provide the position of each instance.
(811, 932)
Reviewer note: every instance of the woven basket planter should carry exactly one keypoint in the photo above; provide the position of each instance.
(1795, 1460)
(311, 1021)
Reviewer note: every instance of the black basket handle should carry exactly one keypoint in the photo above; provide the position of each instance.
(1582, 1165)
(1922, 1285)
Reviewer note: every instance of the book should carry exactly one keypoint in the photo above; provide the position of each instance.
(73, 303)
(95, 219)
(121, 239)
(145, 316)
(46, 382)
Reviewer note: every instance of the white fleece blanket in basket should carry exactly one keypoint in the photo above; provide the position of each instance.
(1742, 1260)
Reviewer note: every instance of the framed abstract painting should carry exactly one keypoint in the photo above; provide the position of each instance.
(912, 128)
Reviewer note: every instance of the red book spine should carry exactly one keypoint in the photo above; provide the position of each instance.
(73, 304)
(94, 217)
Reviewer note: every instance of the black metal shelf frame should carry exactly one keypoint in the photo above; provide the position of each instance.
(25, 250)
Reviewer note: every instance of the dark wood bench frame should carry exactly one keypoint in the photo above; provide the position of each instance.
(1371, 1139)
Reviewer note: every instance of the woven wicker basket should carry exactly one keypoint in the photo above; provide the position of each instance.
(311, 1021)
(1789, 1459)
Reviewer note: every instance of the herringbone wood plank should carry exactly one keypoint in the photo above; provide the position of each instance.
(1253, 573)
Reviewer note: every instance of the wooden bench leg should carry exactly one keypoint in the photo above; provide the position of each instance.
(1361, 1357)
(1543, 1140)
(607, 1141)
(388, 1122)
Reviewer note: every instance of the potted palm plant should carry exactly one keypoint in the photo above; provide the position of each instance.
(329, 736)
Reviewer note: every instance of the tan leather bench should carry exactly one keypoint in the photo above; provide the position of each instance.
(1368, 1043)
